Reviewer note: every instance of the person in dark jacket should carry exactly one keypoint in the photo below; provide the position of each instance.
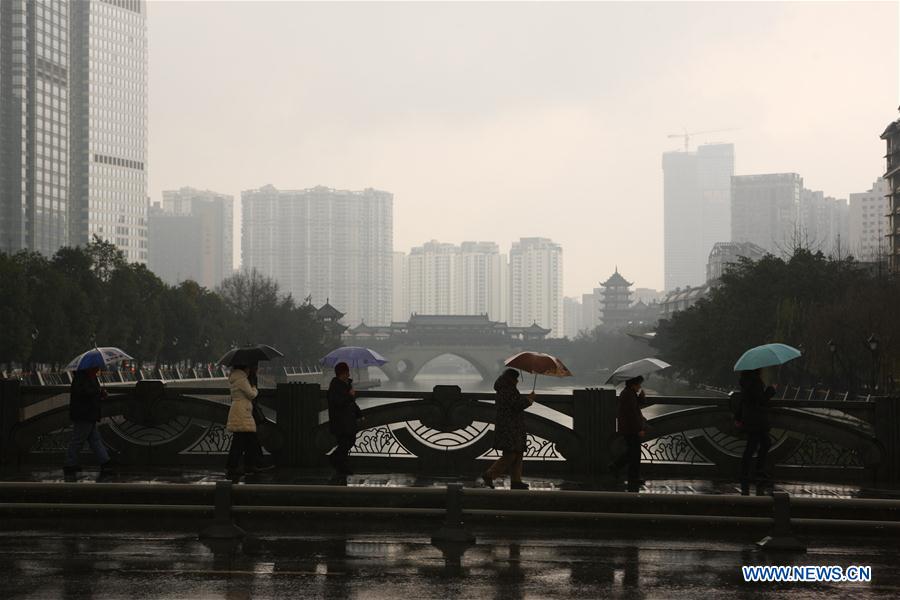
(509, 431)
(632, 426)
(343, 417)
(85, 395)
(753, 418)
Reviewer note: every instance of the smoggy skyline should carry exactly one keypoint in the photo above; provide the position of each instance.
(507, 120)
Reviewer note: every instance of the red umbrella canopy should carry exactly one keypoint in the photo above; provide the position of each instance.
(538, 363)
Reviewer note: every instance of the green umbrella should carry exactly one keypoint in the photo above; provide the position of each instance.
(767, 355)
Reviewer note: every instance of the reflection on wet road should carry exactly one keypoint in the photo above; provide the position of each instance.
(121, 565)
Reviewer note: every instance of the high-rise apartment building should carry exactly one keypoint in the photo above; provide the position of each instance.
(725, 255)
(175, 249)
(435, 286)
(765, 210)
(204, 251)
(536, 284)
(696, 197)
(330, 245)
(824, 223)
(572, 317)
(108, 106)
(469, 279)
(891, 136)
(400, 286)
(870, 222)
(485, 280)
(35, 89)
(590, 313)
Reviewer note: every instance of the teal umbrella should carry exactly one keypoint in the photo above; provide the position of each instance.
(767, 355)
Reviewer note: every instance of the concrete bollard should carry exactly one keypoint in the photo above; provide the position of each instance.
(781, 538)
(222, 527)
(453, 530)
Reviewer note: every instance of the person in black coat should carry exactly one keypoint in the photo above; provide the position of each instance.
(343, 417)
(753, 418)
(631, 426)
(85, 396)
(510, 436)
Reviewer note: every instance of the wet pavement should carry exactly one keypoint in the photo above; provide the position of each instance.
(368, 560)
(163, 565)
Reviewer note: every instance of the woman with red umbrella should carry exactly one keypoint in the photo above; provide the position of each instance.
(509, 431)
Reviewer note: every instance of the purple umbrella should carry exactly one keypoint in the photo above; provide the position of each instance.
(354, 356)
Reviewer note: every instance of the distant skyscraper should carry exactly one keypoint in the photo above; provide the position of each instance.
(536, 284)
(205, 254)
(696, 196)
(400, 286)
(870, 222)
(824, 223)
(725, 254)
(332, 245)
(175, 249)
(891, 136)
(485, 280)
(35, 90)
(434, 279)
(590, 313)
(572, 317)
(108, 103)
(469, 279)
(765, 210)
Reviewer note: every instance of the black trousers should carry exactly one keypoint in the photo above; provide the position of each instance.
(632, 458)
(339, 458)
(757, 443)
(244, 444)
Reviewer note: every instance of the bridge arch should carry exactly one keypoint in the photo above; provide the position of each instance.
(406, 362)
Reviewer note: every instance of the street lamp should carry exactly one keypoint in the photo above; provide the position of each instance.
(872, 343)
(832, 349)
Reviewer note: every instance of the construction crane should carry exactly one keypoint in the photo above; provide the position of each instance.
(687, 136)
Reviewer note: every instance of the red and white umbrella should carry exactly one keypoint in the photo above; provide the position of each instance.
(538, 363)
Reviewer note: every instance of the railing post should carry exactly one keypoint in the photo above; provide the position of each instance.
(222, 527)
(887, 431)
(9, 416)
(453, 530)
(594, 424)
(781, 538)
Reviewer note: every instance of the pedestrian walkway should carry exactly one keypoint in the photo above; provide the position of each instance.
(313, 477)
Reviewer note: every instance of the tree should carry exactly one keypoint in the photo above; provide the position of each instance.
(804, 300)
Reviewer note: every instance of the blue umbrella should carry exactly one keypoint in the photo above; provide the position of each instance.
(97, 358)
(767, 355)
(354, 356)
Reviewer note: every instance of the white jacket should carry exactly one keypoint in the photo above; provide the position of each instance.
(240, 415)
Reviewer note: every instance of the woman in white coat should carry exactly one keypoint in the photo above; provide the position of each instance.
(241, 424)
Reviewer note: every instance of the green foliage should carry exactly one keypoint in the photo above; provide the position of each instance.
(53, 309)
(804, 301)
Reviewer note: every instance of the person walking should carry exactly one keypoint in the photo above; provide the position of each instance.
(343, 417)
(753, 419)
(85, 396)
(509, 431)
(244, 443)
(633, 427)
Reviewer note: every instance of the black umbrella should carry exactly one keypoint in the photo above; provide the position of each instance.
(249, 355)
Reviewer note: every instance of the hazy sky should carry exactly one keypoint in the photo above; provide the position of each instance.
(504, 120)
